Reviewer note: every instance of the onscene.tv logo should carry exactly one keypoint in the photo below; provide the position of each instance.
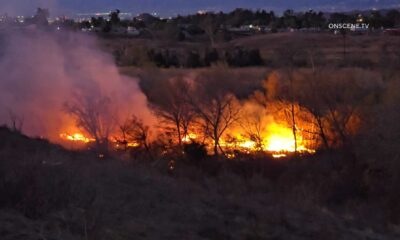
(348, 25)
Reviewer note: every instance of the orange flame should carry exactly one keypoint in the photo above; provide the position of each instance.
(281, 139)
(189, 137)
(76, 137)
(277, 139)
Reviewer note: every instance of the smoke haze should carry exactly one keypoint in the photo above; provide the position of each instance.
(42, 71)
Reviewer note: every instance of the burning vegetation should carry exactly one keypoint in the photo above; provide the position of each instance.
(274, 120)
(76, 137)
(334, 131)
(291, 112)
(80, 98)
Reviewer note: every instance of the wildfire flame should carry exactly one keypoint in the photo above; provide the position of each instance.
(133, 144)
(189, 137)
(277, 140)
(76, 137)
(81, 138)
(281, 139)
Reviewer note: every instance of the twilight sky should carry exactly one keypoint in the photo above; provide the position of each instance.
(172, 7)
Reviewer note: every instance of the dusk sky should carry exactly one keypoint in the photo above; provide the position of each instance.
(173, 7)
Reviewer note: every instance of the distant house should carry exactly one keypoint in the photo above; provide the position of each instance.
(243, 30)
(91, 29)
(132, 31)
(119, 30)
(311, 30)
(392, 32)
(147, 18)
(359, 31)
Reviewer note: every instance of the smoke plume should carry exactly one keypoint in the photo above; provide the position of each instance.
(42, 71)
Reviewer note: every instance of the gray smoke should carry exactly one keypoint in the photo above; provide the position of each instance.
(41, 71)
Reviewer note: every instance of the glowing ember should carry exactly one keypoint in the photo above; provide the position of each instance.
(133, 145)
(76, 137)
(189, 137)
(279, 155)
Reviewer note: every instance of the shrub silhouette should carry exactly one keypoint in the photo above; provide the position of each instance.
(195, 152)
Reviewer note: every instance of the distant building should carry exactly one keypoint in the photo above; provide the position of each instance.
(248, 29)
(311, 30)
(242, 30)
(147, 18)
(119, 30)
(392, 32)
(132, 31)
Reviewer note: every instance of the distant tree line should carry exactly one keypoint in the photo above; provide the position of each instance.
(291, 19)
(211, 22)
(190, 58)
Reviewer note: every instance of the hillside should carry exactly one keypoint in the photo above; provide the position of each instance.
(50, 193)
(364, 51)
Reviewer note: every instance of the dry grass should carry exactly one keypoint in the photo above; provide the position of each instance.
(47, 192)
(363, 48)
(109, 199)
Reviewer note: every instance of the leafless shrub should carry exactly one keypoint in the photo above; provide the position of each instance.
(252, 124)
(135, 133)
(216, 107)
(169, 103)
(92, 115)
(17, 122)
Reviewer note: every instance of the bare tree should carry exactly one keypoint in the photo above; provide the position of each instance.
(217, 116)
(170, 104)
(288, 57)
(210, 25)
(339, 106)
(284, 100)
(312, 103)
(284, 94)
(342, 110)
(123, 138)
(311, 99)
(17, 122)
(216, 107)
(134, 131)
(92, 115)
(252, 124)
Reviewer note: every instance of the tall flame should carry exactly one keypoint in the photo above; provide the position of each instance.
(281, 139)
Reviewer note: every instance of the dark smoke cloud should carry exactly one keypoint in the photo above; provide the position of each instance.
(41, 71)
